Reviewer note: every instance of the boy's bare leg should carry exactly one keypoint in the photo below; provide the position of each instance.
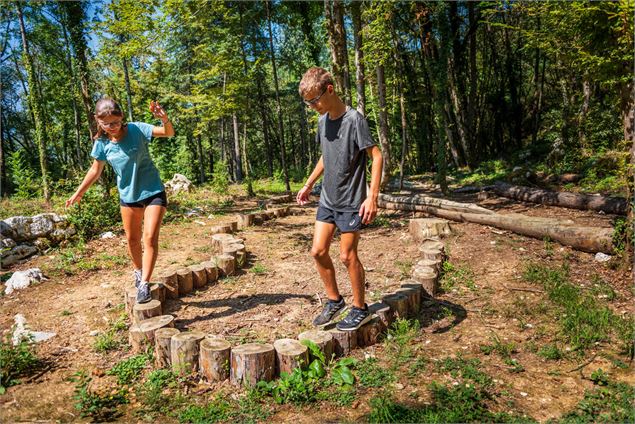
(151, 225)
(322, 237)
(132, 219)
(348, 256)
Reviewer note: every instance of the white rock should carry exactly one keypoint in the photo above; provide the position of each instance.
(107, 235)
(199, 222)
(523, 394)
(602, 257)
(177, 184)
(23, 279)
(21, 332)
(94, 333)
(41, 226)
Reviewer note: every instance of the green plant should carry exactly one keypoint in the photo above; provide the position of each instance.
(16, 361)
(503, 349)
(129, 369)
(370, 374)
(611, 403)
(602, 289)
(599, 377)
(112, 338)
(551, 352)
(98, 406)
(97, 212)
(216, 411)
(454, 275)
(468, 369)
(405, 267)
(220, 178)
(23, 176)
(622, 235)
(259, 269)
(399, 339)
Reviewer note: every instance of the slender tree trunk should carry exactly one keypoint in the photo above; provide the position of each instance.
(238, 166)
(359, 56)
(384, 139)
(440, 93)
(278, 104)
(472, 97)
(334, 15)
(35, 105)
(201, 159)
(128, 91)
(3, 170)
(246, 166)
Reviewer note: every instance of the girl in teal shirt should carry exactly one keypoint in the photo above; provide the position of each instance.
(141, 192)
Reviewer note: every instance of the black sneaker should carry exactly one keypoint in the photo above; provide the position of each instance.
(332, 310)
(143, 293)
(355, 319)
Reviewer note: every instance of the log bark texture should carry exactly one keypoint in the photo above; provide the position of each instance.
(435, 202)
(323, 339)
(613, 205)
(162, 346)
(141, 335)
(214, 359)
(290, 354)
(184, 351)
(185, 280)
(143, 311)
(199, 276)
(251, 363)
(343, 341)
(226, 264)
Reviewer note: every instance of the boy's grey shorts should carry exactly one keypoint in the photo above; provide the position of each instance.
(346, 222)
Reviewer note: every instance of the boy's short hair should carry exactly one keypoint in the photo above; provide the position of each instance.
(315, 78)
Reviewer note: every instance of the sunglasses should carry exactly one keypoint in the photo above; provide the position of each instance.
(315, 99)
(113, 124)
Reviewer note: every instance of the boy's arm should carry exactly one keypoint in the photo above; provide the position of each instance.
(303, 195)
(368, 210)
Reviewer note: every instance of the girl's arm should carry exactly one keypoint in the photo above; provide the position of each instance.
(167, 130)
(91, 176)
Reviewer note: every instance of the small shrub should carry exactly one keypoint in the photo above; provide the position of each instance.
(216, 411)
(551, 352)
(611, 403)
(98, 406)
(220, 178)
(97, 212)
(129, 369)
(15, 361)
(371, 374)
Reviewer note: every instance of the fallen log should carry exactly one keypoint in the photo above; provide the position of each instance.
(435, 202)
(613, 205)
(587, 239)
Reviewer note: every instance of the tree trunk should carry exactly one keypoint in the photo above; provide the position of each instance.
(184, 351)
(238, 166)
(214, 357)
(334, 17)
(613, 205)
(360, 84)
(384, 140)
(35, 104)
(278, 104)
(290, 354)
(435, 202)
(251, 363)
(128, 90)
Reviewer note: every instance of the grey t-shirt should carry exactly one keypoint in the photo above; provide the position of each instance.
(344, 142)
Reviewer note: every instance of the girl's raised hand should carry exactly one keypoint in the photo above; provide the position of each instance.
(158, 111)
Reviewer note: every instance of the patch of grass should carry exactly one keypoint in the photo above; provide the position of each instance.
(457, 275)
(16, 361)
(418, 366)
(468, 369)
(99, 407)
(66, 313)
(216, 411)
(129, 369)
(113, 338)
(601, 289)
(258, 269)
(371, 374)
(612, 403)
(582, 319)
(487, 172)
(551, 352)
(399, 339)
(405, 268)
(504, 350)
(380, 221)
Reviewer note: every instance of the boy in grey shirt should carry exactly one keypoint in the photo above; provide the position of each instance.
(346, 142)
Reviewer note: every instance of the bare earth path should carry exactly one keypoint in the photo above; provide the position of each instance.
(279, 292)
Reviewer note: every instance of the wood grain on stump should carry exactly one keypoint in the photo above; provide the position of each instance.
(384, 312)
(199, 276)
(414, 300)
(141, 335)
(226, 264)
(245, 220)
(323, 339)
(214, 359)
(143, 311)
(430, 263)
(423, 228)
(184, 351)
(398, 303)
(433, 254)
(343, 341)
(218, 240)
(418, 287)
(170, 283)
(185, 280)
(251, 363)
(220, 229)
(370, 333)
(162, 346)
(432, 244)
(428, 278)
(211, 270)
(290, 354)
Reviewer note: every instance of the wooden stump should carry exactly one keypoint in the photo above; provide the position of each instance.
(423, 228)
(430, 263)
(220, 229)
(141, 335)
(428, 278)
(199, 276)
(245, 220)
(233, 249)
(251, 363)
(414, 300)
(162, 346)
(170, 283)
(233, 225)
(256, 218)
(384, 312)
(143, 311)
(398, 303)
(211, 270)
(290, 354)
(370, 333)
(343, 341)
(433, 254)
(184, 351)
(279, 212)
(432, 244)
(130, 296)
(219, 240)
(418, 287)
(323, 339)
(214, 359)
(185, 280)
(226, 264)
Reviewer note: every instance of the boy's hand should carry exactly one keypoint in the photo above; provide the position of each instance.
(368, 210)
(303, 195)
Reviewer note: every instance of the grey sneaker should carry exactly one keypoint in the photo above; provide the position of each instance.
(355, 319)
(332, 309)
(143, 292)
(137, 278)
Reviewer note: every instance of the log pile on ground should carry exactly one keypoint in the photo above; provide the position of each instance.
(584, 238)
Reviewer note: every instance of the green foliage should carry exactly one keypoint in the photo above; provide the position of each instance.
(15, 361)
(23, 176)
(112, 338)
(405, 267)
(487, 172)
(622, 234)
(583, 320)
(96, 213)
(599, 377)
(216, 411)
(612, 402)
(370, 374)
(457, 275)
(551, 352)
(468, 369)
(258, 269)
(220, 178)
(129, 369)
(400, 338)
(97, 406)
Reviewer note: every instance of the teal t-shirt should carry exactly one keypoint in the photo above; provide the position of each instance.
(137, 177)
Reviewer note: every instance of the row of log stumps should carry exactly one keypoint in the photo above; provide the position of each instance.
(216, 360)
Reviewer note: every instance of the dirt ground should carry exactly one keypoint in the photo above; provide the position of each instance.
(279, 292)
